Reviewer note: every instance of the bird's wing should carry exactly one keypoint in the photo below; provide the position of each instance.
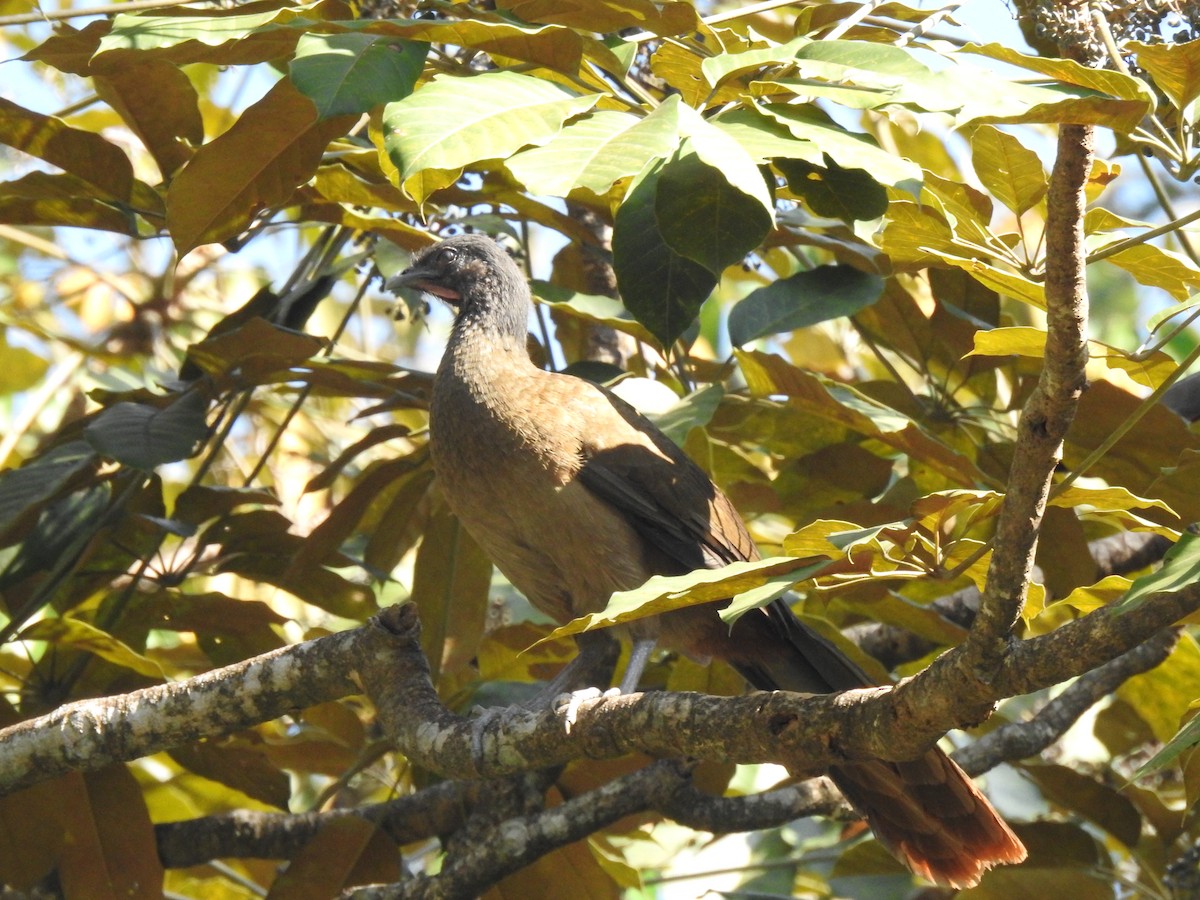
(676, 509)
(667, 498)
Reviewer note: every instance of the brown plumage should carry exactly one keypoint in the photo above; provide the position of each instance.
(575, 495)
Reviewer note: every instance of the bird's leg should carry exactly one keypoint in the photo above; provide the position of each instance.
(639, 655)
(568, 704)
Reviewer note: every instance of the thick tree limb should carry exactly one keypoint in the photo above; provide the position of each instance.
(1018, 740)
(89, 734)
(804, 733)
(1047, 414)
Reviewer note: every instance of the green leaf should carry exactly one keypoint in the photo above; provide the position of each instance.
(693, 411)
(1163, 315)
(1188, 737)
(801, 300)
(351, 73)
(454, 121)
(41, 478)
(1012, 172)
(145, 33)
(597, 151)
(663, 593)
(763, 138)
(84, 154)
(719, 151)
(852, 151)
(661, 287)
(834, 192)
(1180, 568)
(723, 66)
(702, 215)
(144, 436)
(1104, 81)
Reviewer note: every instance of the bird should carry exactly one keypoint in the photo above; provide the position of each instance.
(575, 495)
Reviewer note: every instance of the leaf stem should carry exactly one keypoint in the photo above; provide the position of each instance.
(108, 9)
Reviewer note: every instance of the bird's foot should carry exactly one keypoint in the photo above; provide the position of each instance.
(567, 705)
(481, 717)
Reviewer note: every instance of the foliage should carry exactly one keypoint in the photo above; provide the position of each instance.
(839, 219)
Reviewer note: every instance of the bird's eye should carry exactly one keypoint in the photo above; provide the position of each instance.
(447, 255)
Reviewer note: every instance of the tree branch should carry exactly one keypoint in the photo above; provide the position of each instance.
(89, 734)
(1019, 740)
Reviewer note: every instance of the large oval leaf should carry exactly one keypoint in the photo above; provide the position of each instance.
(661, 287)
(803, 299)
(350, 73)
(452, 122)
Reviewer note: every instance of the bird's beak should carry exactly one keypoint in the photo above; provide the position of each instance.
(421, 279)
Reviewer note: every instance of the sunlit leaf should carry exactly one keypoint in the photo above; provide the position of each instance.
(1021, 340)
(596, 151)
(1159, 267)
(663, 593)
(852, 151)
(693, 411)
(22, 367)
(274, 147)
(1174, 66)
(591, 308)
(607, 16)
(71, 632)
(87, 156)
(451, 122)
(1180, 568)
(1012, 172)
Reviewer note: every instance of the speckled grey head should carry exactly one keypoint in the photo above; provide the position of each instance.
(475, 277)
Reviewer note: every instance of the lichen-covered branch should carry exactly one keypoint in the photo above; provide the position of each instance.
(89, 734)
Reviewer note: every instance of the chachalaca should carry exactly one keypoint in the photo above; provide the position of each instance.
(575, 495)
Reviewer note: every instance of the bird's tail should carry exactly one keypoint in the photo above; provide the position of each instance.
(928, 812)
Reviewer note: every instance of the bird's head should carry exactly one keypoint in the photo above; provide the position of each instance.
(475, 277)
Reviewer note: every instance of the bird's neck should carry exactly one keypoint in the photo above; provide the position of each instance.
(481, 358)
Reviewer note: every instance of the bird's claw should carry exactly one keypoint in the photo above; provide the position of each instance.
(567, 705)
